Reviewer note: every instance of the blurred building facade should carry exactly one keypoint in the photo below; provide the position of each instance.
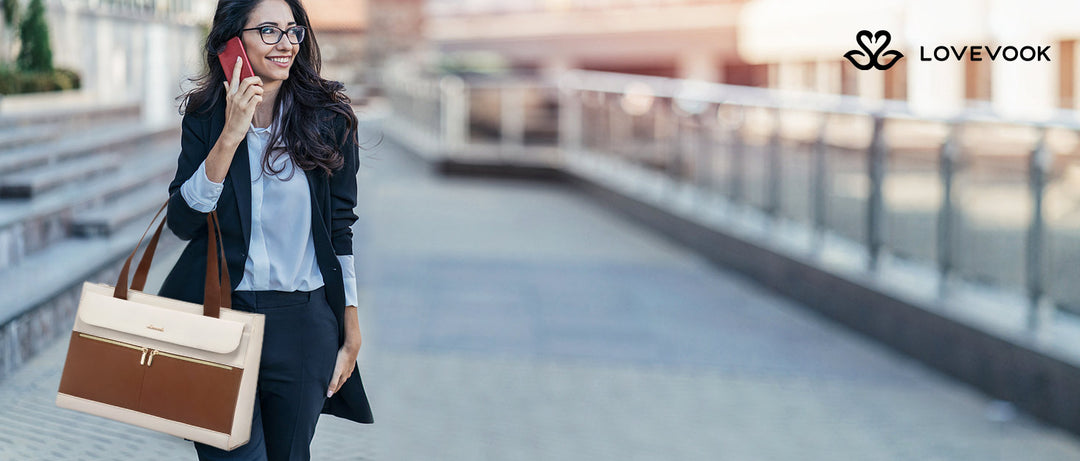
(396, 34)
(341, 28)
(357, 37)
(786, 44)
(682, 38)
(141, 48)
(803, 44)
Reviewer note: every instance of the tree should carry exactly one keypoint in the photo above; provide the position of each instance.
(11, 12)
(35, 54)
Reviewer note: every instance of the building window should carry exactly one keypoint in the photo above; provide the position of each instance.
(740, 73)
(977, 81)
(1067, 74)
(809, 76)
(849, 80)
(896, 85)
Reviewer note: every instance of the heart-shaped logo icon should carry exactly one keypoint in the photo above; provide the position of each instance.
(866, 40)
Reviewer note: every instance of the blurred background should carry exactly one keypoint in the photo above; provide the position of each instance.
(608, 229)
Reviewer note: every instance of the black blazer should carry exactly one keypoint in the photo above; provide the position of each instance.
(332, 202)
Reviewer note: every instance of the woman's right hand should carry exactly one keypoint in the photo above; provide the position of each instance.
(241, 97)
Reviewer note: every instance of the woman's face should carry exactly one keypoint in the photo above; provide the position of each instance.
(271, 63)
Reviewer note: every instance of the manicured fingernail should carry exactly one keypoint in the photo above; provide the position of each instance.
(238, 59)
(329, 393)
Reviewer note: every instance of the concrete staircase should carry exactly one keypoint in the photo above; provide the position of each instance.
(77, 189)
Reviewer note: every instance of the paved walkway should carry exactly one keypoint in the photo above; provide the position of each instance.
(518, 321)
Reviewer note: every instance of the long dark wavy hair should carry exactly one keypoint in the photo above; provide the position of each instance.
(300, 101)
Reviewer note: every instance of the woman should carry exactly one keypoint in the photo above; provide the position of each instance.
(287, 236)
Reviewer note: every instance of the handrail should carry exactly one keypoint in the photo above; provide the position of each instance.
(688, 136)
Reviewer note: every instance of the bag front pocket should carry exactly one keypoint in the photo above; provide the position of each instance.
(104, 370)
(171, 386)
(190, 390)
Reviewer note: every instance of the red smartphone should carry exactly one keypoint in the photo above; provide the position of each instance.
(227, 58)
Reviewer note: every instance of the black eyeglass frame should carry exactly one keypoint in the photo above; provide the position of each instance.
(281, 33)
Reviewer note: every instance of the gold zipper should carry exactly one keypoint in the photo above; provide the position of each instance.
(189, 359)
(147, 359)
(113, 341)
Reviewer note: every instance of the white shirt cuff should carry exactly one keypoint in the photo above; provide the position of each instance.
(348, 274)
(200, 193)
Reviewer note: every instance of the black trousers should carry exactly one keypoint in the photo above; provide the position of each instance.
(298, 357)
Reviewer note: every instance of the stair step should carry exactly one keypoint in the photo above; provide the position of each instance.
(89, 113)
(156, 164)
(46, 273)
(35, 181)
(23, 136)
(82, 143)
(106, 219)
(31, 225)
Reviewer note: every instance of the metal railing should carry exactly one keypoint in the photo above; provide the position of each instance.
(458, 8)
(976, 197)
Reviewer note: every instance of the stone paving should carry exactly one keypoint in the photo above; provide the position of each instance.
(518, 321)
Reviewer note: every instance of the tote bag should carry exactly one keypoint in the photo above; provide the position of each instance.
(171, 366)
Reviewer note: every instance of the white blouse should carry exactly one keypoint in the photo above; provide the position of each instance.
(280, 219)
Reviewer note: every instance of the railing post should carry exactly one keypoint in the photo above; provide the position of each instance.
(673, 164)
(433, 116)
(570, 117)
(414, 100)
(718, 145)
(738, 157)
(1038, 169)
(658, 147)
(819, 182)
(609, 104)
(616, 135)
(431, 113)
(455, 113)
(772, 197)
(950, 154)
(512, 117)
(703, 174)
(875, 207)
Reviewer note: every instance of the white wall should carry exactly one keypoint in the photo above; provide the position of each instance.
(126, 57)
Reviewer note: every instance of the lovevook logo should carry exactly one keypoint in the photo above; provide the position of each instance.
(880, 41)
(975, 53)
(874, 49)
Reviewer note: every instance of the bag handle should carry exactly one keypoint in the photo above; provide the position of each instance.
(218, 290)
(215, 293)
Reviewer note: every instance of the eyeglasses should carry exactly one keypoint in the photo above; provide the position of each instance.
(271, 35)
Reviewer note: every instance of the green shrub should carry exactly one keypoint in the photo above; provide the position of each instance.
(33, 71)
(7, 79)
(69, 78)
(13, 81)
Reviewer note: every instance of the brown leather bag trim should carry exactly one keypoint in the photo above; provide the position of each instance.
(178, 390)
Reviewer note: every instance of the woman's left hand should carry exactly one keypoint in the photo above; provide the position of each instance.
(346, 357)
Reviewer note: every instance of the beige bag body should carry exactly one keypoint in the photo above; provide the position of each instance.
(171, 366)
